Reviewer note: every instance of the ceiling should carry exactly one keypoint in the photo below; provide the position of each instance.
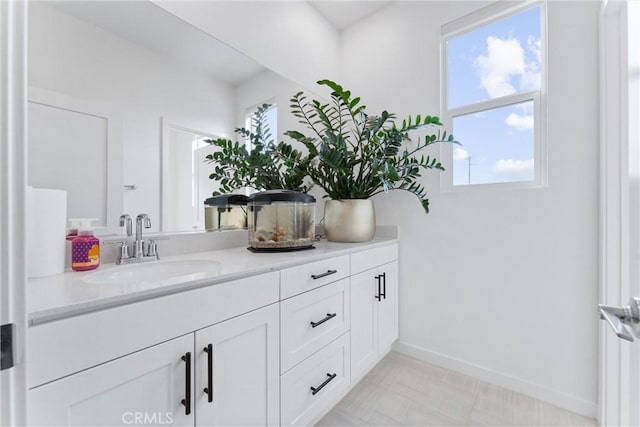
(342, 14)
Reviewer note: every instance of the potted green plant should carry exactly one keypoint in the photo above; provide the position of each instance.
(266, 165)
(354, 155)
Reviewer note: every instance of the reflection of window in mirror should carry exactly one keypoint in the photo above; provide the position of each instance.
(271, 117)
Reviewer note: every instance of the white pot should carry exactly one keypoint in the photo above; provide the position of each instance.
(349, 220)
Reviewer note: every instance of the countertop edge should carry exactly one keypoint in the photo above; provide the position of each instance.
(41, 317)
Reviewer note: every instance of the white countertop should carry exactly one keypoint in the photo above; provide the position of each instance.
(65, 295)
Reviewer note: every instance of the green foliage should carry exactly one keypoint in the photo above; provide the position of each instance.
(354, 155)
(266, 166)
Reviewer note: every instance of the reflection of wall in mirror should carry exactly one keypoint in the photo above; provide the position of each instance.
(80, 60)
(68, 149)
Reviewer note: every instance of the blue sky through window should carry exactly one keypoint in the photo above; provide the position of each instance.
(496, 60)
(498, 153)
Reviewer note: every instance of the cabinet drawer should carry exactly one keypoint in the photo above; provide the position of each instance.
(312, 320)
(326, 374)
(302, 278)
(372, 258)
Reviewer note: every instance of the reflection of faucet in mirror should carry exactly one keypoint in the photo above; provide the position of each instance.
(125, 221)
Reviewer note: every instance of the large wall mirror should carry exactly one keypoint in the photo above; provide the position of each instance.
(121, 98)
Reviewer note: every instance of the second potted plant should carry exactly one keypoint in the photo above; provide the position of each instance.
(354, 156)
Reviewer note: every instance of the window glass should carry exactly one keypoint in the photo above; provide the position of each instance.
(498, 145)
(499, 59)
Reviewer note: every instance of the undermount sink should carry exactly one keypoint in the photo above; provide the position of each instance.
(159, 272)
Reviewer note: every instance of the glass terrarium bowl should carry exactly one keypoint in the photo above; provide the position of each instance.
(281, 220)
(226, 212)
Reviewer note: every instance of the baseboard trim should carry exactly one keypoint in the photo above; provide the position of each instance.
(563, 400)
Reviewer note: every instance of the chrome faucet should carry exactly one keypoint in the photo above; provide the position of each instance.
(138, 245)
(139, 254)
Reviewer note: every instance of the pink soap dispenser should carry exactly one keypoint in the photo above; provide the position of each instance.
(85, 248)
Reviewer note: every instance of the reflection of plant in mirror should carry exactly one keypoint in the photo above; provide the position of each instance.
(266, 166)
(360, 155)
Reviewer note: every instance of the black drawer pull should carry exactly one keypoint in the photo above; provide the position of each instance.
(320, 322)
(379, 280)
(187, 383)
(384, 286)
(209, 388)
(315, 390)
(319, 276)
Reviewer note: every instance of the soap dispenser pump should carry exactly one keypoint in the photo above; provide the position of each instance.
(85, 248)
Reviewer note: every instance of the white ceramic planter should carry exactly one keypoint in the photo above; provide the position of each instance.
(350, 220)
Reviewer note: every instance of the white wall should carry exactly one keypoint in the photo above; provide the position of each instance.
(499, 284)
(288, 37)
(80, 60)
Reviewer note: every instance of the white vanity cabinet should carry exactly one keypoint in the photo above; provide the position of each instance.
(374, 308)
(277, 348)
(230, 378)
(106, 373)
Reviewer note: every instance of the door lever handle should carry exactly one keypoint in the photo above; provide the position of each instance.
(621, 318)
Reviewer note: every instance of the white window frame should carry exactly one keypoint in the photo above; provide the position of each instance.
(480, 18)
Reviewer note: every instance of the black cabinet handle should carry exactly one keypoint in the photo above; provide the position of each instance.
(315, 390)
(384, 285)
(378, 279)
(320, 322)
(187, 383)
(209, 388)
(319, 276)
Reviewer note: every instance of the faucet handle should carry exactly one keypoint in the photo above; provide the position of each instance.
(124, 250)
(152, 249)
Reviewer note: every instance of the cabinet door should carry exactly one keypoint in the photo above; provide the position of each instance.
(146, 387)
(388, 307)
(238, 365)
(364, 321)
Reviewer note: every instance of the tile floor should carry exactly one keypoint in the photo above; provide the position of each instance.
(402, 391)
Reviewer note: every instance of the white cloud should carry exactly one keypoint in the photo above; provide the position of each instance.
(505, 69)
(520, 122)
(514, 170)
(504, 59)
(460, 154)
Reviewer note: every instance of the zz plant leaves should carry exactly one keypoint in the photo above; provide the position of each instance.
(354, 155)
